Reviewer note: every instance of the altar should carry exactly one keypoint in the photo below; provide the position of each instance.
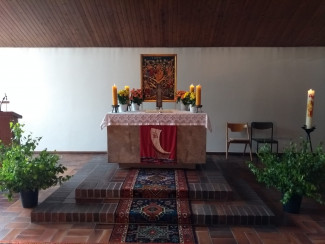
(124, 137)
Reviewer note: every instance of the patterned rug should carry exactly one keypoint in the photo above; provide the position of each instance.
(154, 208)
(166, 211)
(155, 183)
(144, 233)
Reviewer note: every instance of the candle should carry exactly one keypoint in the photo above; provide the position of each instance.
(198, 95)
(192, 88)
(310, 108)
(114, 95)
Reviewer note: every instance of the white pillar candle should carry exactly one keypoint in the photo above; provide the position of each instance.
(310, 108)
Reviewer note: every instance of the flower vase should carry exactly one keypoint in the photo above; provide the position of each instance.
(135, 107)
(184, 107)
(123, 108)
(192, 108)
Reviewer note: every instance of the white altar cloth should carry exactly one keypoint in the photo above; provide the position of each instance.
(168, 117)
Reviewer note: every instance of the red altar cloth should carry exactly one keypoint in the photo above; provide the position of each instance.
(158, 144)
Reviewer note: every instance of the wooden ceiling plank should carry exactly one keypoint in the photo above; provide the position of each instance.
(161, 23)
(89, 22)
(123, 24)
(80, 27)
(80, 34)
(143, 12)
(16, 26)
(62, 35)
(314, 33)
(67, 18)
(109, 25)
(93, 10)
(155, 14)
(5, 30)
(136, 29)
(218, 22)
(37, 22)
(191, 17)
(301, 20)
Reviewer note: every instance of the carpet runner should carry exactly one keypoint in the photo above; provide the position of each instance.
(154, 208)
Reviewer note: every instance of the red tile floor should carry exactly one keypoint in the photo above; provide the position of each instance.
(306, 227)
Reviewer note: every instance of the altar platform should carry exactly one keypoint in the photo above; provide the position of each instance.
(93, 195)
(307, 227)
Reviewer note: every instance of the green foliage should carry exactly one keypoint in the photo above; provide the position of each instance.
(22, 169)
(297, 172)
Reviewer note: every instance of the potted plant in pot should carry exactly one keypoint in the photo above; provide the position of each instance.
(26, 172)
(123, 99)
(296, 173)
(136, 99)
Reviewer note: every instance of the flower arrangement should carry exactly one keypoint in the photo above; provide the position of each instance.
(123, 96)
(136, 96)
(188, 98)
(179, 95)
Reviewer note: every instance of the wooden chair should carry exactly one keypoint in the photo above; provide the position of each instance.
(241, 131)
(262, 132)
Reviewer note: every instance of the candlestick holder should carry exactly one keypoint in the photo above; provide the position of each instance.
(198, 108)
(308, 131)
(115, 108)
(128, 107)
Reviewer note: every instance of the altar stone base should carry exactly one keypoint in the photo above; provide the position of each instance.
(123, 147)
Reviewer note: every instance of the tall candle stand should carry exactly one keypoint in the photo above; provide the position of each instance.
(308, 131)
(115, 108)
(198, 108)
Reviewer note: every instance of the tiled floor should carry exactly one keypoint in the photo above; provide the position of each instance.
(306, 227)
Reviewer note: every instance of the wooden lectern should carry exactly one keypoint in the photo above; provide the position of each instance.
(5, 119)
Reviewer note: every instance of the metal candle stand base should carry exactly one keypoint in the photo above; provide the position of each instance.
(198, 108)
(308, 131)
(129, 107)
(115, 108)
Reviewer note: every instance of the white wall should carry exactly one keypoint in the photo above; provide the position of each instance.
(63, 93)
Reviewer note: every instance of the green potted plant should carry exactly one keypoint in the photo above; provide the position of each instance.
(26, 172)
(296, 173)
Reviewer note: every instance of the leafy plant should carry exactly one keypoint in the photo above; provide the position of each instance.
(297, 172)
(22, 169)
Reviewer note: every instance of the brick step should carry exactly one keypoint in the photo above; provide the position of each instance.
(101, 193)
(214, 213)
(93, 193)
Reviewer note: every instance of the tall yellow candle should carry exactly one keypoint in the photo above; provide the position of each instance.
(114, 95)
(192, 88)
(310, 108)
(198, 95)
